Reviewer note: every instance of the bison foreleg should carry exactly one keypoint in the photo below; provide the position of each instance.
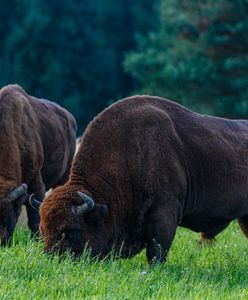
(160, 232)
(38, 189)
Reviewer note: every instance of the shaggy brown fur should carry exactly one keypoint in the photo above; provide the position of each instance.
(156, 165)
(37, 141)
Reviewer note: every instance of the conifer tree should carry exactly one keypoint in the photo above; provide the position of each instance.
(198, 56)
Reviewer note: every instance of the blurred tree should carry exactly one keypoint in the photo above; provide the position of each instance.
(72, 51)
(198, 56)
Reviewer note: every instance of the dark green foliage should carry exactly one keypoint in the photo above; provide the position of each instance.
(198, 56)
(71, 51)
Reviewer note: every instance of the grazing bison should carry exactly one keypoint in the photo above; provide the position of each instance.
(37, 141)
(145, 166)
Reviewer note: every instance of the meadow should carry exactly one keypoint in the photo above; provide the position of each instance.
(191, 272)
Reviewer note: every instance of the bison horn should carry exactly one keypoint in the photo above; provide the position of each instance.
(83, 208)
(33, 202)
(17, 193)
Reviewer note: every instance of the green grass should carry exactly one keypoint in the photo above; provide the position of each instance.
(192, 272)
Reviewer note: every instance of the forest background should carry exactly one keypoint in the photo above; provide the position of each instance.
(88, 54)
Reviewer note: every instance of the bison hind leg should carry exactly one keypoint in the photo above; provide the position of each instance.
(206, 240)
(208, 237)
(243, 223)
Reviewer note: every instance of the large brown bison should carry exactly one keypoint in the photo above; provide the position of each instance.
(37, 140)
(145, 166)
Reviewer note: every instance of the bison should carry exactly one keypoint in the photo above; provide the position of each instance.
(145, 166)
(37, 139)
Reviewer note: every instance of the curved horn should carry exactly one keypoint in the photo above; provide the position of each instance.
(16, 193)
(83, 208)
(33, 202)
(87, 199)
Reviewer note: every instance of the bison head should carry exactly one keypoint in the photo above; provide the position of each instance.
(71, 219)
(9, 212)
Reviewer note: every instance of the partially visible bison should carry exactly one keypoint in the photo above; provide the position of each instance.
(145, 166)
(37, 139)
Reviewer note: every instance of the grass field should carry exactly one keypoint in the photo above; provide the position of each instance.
(192, 272)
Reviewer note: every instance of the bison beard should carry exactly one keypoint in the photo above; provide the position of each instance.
(37, 141)
(149, 165)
